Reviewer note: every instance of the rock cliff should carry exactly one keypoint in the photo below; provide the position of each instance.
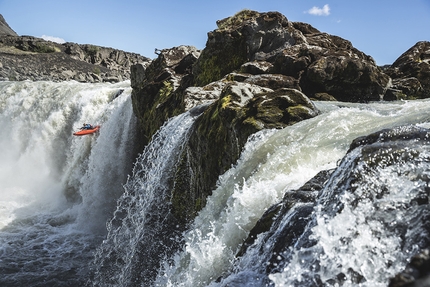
(5, 29)
(411, 73)
(258, 70)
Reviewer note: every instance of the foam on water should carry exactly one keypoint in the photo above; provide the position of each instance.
(57, 190)
(272, 163)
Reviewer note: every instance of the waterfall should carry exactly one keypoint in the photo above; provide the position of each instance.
(272, 163)
(75, 211)
(141, 232)
(58, 190)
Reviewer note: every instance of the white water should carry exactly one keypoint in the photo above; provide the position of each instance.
(135, 242)
(272, 163)
(57, 190)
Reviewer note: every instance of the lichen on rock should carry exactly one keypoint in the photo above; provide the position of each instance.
(220, 133)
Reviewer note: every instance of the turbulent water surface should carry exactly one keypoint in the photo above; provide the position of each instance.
(69, 216)
(58, 190)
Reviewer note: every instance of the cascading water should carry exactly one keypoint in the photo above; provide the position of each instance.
(274, 162)
(141, 232)
(57, 190)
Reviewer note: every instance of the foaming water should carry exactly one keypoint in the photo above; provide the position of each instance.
(141, 232)
(57, 190)
(364, 228)
(273, 162)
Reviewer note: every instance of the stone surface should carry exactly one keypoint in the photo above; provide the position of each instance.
(411, 72)
(31, 58)
(267, 43)
(5, 29)
(220, 133)
(158, 89)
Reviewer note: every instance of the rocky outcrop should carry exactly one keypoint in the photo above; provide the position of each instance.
(411, 73)
(258, 70)
(220, 133)
(31, 58)
(5, 29)
(237, 106)
(158, 90)
(267, 43)
(245, 37)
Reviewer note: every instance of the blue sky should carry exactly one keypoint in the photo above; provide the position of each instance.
(383, 29)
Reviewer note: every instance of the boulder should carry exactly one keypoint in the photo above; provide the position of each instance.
(158, 89)
(267, 43)
(220, 133)
(329, 64)
(411, 72)
(244, 37)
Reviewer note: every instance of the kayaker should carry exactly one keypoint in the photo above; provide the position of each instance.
(86, 127)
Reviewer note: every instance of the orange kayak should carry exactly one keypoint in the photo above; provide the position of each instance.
(87, 131)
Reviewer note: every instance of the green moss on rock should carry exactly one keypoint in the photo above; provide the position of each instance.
(220, 58)
(220, 133)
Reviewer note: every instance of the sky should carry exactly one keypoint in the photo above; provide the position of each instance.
(383, 29)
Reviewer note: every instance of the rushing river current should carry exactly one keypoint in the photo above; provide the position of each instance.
(78, 211)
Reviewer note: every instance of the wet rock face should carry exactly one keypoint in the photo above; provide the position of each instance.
(220, 133)
(401, 212)
(158, 89)
(411, 72)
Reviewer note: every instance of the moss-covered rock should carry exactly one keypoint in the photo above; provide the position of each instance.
(244, 37)
(158, 90)
(221, 132)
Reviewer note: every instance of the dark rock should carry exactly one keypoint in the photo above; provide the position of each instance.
(329, 64)
(416, 274)
(158, 89)
(5, 29)
(267, 43)
(401, 151)
(271, 220)
(274, 81)
(137, 77)
(31, 58)
(323, 97)
(411, 71)
(245, 37)
(220, 133)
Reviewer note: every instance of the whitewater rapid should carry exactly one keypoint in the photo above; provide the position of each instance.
(74, 212)
(57, 190)
(272, 163)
